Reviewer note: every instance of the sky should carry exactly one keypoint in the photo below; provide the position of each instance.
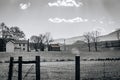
(62, 18)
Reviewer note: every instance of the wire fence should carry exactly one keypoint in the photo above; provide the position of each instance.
(89, 70)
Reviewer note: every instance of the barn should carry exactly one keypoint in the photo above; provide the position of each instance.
(54, 47)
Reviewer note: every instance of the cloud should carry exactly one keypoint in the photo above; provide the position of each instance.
(74, 20)
(66, 3)
(24, 6)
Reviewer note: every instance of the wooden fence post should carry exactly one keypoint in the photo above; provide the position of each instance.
(37, 67)
(20, 68)
(10, 73)
(77, 67)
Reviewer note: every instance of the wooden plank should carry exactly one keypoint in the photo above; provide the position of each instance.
(25, 62)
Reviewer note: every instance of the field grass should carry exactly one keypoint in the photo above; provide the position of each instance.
(65, 70)
(65, 55)
(90, 70)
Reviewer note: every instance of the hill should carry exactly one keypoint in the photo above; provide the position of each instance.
(109, 37)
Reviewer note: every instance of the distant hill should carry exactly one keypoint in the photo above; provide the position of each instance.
(69, 40)
(109, 37)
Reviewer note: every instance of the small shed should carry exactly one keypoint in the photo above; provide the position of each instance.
(54, 47)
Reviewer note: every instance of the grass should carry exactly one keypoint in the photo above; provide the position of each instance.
(61, 65)
(94, 70)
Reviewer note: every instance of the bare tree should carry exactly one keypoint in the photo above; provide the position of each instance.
(41, 41)
(95, 38)
(34, 40)
(38, 41)
(87, 37)
(48, 38)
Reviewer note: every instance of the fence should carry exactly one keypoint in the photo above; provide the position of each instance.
(37, 62)
(89, 70)
(20, 62)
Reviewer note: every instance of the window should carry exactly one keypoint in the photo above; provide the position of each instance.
(23, 49)
(19, 44)
(23, 44)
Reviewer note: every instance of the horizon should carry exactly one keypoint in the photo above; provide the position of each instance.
(62, 19)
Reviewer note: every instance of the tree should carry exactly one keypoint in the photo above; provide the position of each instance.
(13, 32)
(95, 38)
(48, 39)
(38, 41)
(17, 33)
(87, 37)
(34, 39)
(41, 41)
(5, 32)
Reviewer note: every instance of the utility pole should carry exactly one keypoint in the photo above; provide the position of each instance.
(28, 45)
(64, 45)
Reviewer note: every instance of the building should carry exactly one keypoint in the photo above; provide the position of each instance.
(17, 46)
(54, 47)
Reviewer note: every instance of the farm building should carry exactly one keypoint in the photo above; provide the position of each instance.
(17, 46)
(54, 47)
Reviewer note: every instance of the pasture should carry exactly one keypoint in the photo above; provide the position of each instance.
(61, 66)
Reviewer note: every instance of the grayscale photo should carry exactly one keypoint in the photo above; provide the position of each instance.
(59, 39)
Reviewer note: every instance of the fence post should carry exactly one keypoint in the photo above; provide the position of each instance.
(37, 67)
(77, 67)
(10, 73)
(20, 68)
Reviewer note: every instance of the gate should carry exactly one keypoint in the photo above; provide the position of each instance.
(20, 62)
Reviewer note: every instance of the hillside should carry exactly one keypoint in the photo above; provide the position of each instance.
(109, 37)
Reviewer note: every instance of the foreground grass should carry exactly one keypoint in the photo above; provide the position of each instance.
(90, 70)
(52, 70)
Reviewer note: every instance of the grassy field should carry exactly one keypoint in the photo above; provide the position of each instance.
(65, 55)
(90, 70)
(65, 69)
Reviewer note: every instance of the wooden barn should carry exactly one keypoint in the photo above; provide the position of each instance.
(54, 47)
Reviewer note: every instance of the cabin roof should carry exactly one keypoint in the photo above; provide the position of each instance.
(18, 41)
(54, 45)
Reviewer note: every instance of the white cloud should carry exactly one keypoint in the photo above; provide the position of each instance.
(66, 3)
(24, 6)
(74, 20)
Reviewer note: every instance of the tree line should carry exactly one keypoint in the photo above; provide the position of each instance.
(13, 32)
(39, 42)
(92, 37)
